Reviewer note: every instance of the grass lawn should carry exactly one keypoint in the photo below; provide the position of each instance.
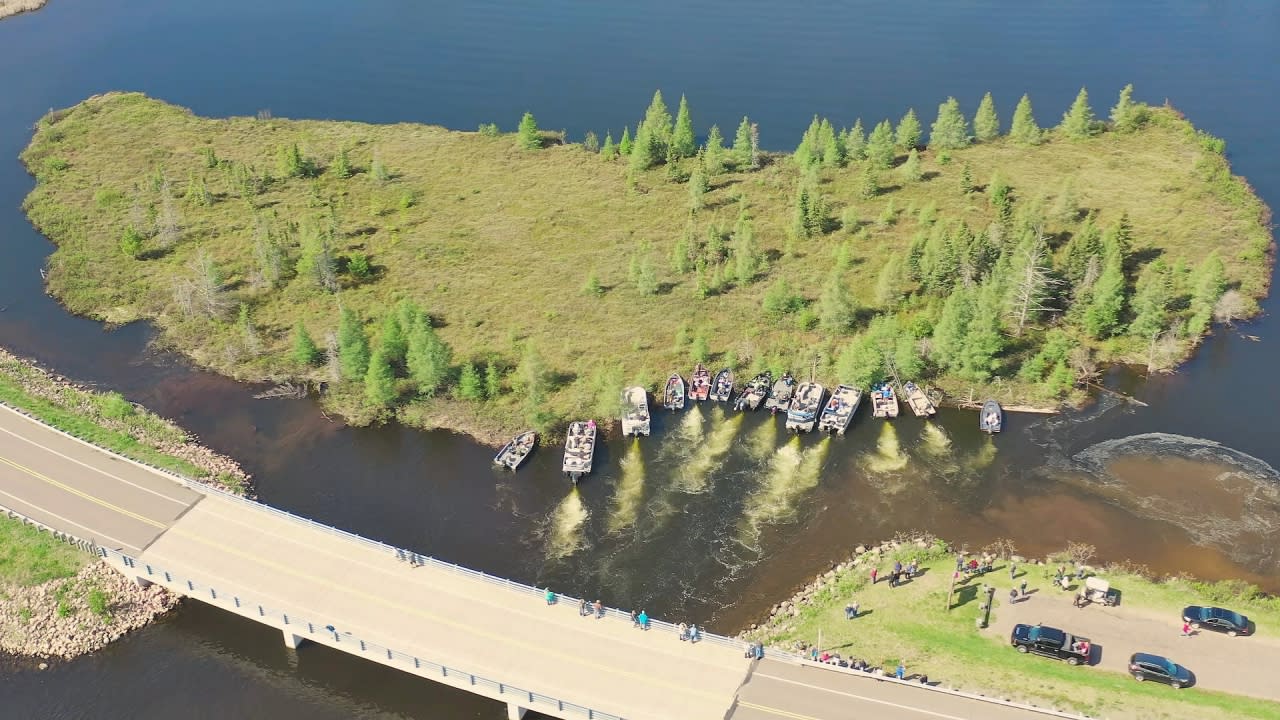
(498, 245)
(910, 624)
(29, 556)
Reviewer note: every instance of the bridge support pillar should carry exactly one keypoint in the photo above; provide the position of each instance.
(291, 641)
(515, 712)
(142, 582)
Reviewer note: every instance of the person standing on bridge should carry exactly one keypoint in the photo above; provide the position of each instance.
(599, 608)
(635, 621)
(582, 607)
(644, 620)
(551, 597)
(684, 632)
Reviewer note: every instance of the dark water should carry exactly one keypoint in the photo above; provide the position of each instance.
(714, 535)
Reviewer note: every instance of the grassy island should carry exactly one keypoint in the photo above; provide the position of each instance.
(484, 281)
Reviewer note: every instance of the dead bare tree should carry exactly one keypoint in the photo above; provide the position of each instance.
(1230, 307)
(333, 364)
(207, 280)
(1034, 283)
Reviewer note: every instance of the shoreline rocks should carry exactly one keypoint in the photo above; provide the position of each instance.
(63, 619)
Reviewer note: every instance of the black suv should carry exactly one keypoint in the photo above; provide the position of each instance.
(1050, 642)
(1217, 619)
(1144, 666)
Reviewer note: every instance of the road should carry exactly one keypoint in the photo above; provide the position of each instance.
(779, 689)
(82, 490)
(1243, 665)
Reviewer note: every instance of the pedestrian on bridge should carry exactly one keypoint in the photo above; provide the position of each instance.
(635, 621)
(599, 609)
(551, 597)
(684, 632)
(643, 619)
(582, 607)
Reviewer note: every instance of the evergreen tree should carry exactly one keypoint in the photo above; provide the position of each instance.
(492, 380)
(531, 383)
(713, 155)
(353, 346)
(909, 131)
(1001, 197)
(1107, 296)
(950, 130)
(966, 179)
(836, 309)
(1066, 206)
(868, 183)
(428, 358)
(1151, 300)
(855, 141)
(1024, 128)
(911, 169)
(1207, 285)
(1077, 123)
(591, 143)
(682, 252)
(131, 242)
(1085, 244)
(378, 169)
(983, 341)
(800, 213)
(290, 162)
(625, 145)
(305, 352)
(392, 339)
(528, 137)
(808, 152)
(952, 329)
(379, 381)
(1120, 234)
(1127, 115)
(861, 361)
(880, 146)
(986, 124)
(645, 151)
(746, 258)
(830, 146)
(682, 138)
(742, 145)
(699, 350)
(608, 151)
(889, 282)
(341, 166)
(657, 119)
(470, 386)
(698, 188)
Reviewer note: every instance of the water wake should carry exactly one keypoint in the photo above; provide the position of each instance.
(936, 442)
(692, 476)
(630, 490)
(888, 456)
(764, 439)
(565, 534)
(791, 474)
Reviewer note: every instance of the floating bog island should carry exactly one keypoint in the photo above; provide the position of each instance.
(488, 281)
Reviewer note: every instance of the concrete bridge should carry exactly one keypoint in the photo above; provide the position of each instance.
(483, 634)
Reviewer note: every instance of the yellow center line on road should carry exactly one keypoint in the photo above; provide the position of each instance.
(775, 711)
(591, 665)
(80, 493)
(922, 711)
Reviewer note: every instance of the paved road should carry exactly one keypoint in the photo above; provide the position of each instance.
(449, 618)
(1243, 665)
(82, 490)
(779, 689)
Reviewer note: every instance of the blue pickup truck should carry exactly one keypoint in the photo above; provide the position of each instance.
(1051, 642)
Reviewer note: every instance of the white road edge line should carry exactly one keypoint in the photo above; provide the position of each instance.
(93, 534)
(862, 697)
(92, 468)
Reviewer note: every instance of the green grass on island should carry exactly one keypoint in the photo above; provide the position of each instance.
(497, 280)
(30, 556)
(910, 624)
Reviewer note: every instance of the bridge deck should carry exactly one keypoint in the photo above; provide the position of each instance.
(447, 617)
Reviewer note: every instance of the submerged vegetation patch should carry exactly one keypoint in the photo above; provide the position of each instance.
(484, 281)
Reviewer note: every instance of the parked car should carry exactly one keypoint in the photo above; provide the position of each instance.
(1144, 666)
(1050, 642)
(1216, 619)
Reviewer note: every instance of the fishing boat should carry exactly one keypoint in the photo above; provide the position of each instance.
(918, 401)
(579, 447)
(803, 413)
(722, 386)
(780, 394)
(755, 392)
(840, 409)
(700, 383)
(884, 402)
(514, 452)
(635, 411)
(673, 394)
(992, 417)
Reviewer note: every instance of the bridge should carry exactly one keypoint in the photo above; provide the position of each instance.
(449, 624)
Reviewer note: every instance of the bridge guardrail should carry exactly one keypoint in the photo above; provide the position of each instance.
(303, 628)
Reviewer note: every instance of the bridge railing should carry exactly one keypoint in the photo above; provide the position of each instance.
(310, 628)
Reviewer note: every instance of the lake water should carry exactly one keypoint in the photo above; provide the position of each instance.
(716, 516)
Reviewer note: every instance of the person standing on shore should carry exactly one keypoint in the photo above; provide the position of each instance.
(874, 573)
(1013, 570)
(1023, 587)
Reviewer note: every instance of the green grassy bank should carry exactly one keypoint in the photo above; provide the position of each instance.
(113, 423)
(29, 556)
(490, 285)
(911, 624)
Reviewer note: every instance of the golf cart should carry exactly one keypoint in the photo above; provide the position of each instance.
(1096, 590)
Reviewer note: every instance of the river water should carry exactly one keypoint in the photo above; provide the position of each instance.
(716, 516)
